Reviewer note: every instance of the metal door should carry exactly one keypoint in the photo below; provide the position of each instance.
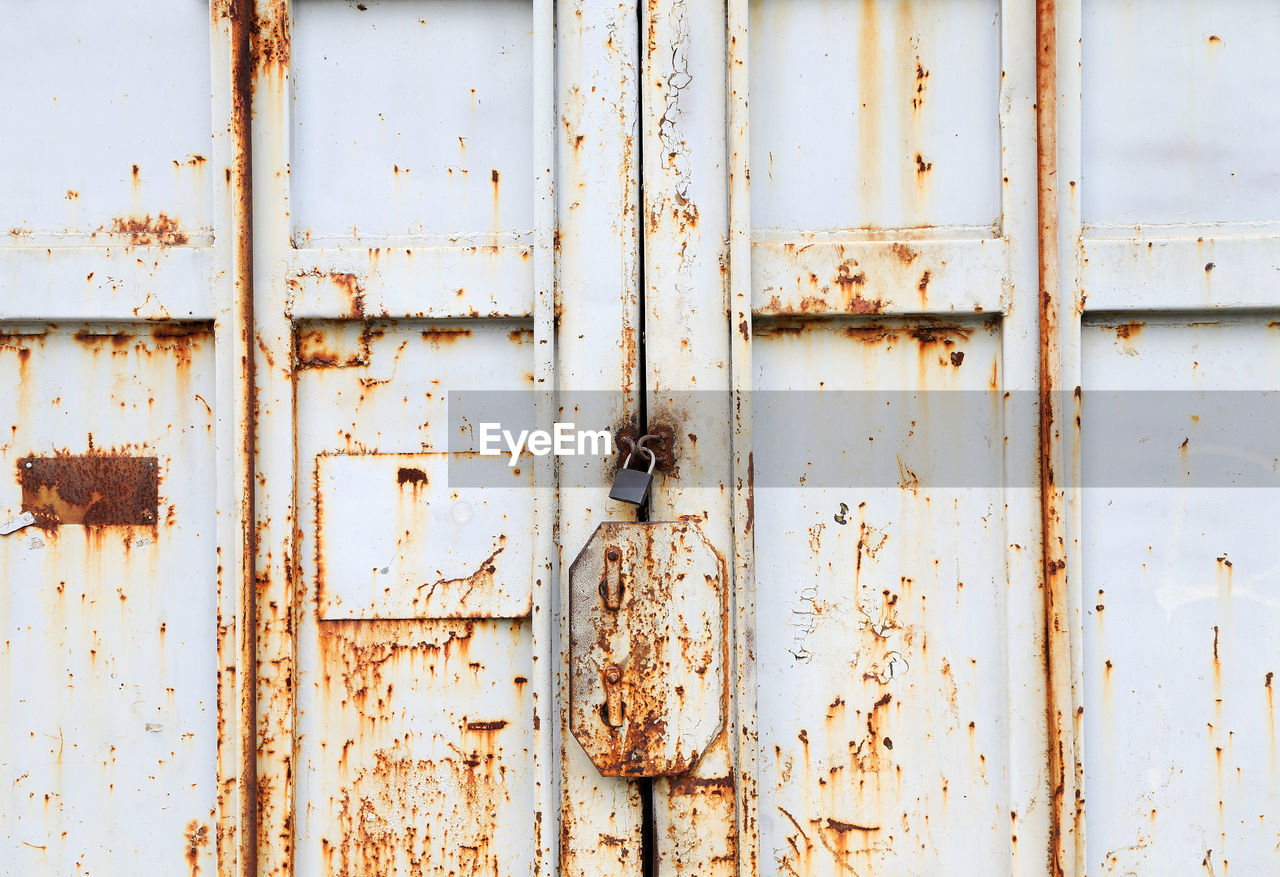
(123, 645)
(886, 277)
(1168, 205)
(558, 183)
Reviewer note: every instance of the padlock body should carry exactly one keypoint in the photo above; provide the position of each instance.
(631, 485)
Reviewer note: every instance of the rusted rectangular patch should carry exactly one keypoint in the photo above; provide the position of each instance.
(93, 489)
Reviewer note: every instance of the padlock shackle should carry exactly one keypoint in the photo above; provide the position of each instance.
(639, 446)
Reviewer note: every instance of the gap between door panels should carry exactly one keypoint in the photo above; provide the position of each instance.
(645, 786)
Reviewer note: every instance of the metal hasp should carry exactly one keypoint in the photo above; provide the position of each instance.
(647, 651)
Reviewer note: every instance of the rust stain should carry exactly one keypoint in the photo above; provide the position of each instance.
(945, 335)
(411, 475)
(482, 578)
(269, 37)
(662, 443)
(487, 725)
(95, 489)
(346, 281)
(922, 78)
(688, 784)
(145, 231)
(397, 809)
(197, 837)
(903, 253)
(922, 166)
(445, 334)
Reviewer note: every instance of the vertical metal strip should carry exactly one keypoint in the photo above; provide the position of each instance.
(235, 364)
(1070, 308)
(273, 413)
(687, 349)
(1063, 779)
(597, 358)
(744, 717)
(545, 789)
(1029, 812)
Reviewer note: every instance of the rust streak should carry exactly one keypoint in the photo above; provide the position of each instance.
(145, 231)
(1063, 767)
(269, 37)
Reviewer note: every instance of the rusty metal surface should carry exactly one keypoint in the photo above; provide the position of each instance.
(210, 495)
(685, 200)
(414, 716)
(418, 750)
(1062, 750)
(108, 612)
(93, 489)
(597, 349)
(743, 716)
(647, 656)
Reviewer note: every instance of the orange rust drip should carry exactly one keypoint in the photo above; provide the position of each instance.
(1053, 543)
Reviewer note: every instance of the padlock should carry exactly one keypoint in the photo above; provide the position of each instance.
(632, 485)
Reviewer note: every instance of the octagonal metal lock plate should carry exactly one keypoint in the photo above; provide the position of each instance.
(647, 647)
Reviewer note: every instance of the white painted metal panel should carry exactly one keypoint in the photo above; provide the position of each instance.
(1179, 118)
(108, 631)
(597, 350)
(878, 114)
(398, 176)
(1169, 216)
(881, 656)
(124, 644)
(898, 637)
(1180, 582)
(412, 119)
(395, 540)
(81, 153)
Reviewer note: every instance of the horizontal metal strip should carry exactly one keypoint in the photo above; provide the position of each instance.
(1178, 230)
(1181, 273)
(108, 283)
(384, 242)
(128, 231)
(822, 278)
(426, 282)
